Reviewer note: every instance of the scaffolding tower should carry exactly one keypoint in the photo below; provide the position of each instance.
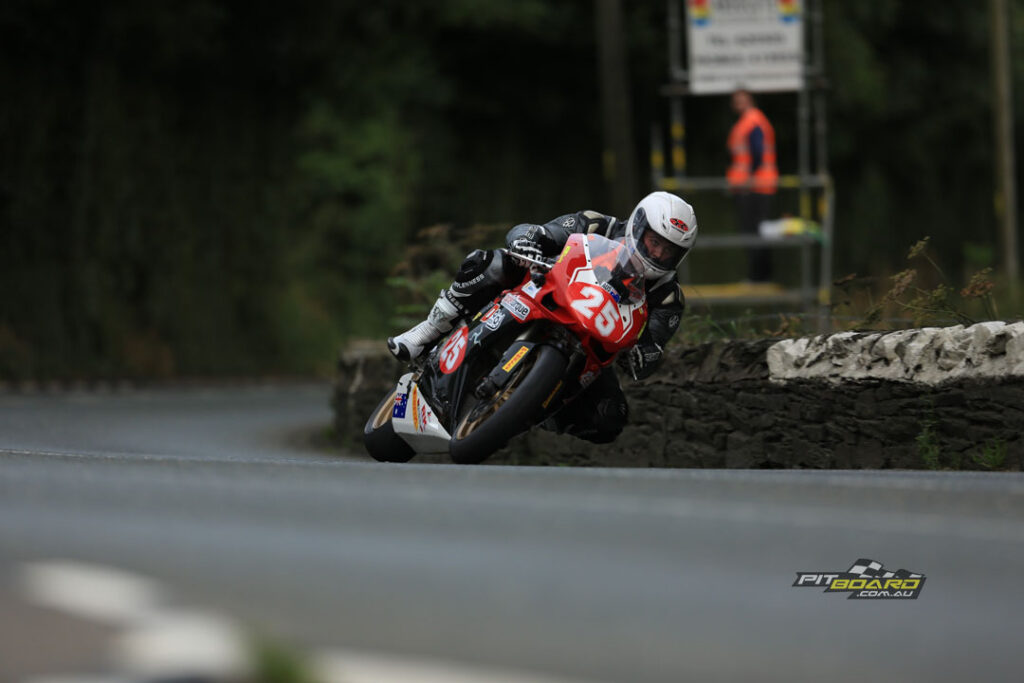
(810, 179)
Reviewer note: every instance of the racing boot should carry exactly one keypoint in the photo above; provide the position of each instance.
(412, 343)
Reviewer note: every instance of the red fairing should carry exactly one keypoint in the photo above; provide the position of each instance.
(583, 306)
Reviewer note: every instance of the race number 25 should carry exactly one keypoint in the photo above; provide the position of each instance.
(608, 315)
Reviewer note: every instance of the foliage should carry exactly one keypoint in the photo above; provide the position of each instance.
(928, 445)
(429, 263)
(916, 146)
(274, 662)
(223, 188)
(935, 304)
(991, 455)
(703, 327)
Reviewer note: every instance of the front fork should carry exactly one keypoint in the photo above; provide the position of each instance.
(569, 387)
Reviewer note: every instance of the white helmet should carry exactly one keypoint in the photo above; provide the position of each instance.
(672, 227)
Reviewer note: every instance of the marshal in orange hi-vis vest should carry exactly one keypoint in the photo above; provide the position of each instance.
(766, 176)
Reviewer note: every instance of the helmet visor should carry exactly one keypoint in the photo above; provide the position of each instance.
(656, 249)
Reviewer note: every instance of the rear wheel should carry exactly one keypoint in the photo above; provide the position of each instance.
(379, 434)
(490, 423)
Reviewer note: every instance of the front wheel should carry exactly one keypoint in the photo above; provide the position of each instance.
(379, 434)
(492, 422)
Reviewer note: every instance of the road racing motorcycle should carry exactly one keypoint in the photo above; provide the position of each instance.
(519, 360)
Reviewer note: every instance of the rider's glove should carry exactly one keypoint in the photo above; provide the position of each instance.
(640, 360)
(525, 247)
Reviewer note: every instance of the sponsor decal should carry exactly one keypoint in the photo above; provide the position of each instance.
(569, 222)
(649, 352)
(519, 309)
(462, 286)
(606, 286)
(551, 395)
(789, 11)
(490, 311)
(454, 351)
(436, 315)
(530, 289)
(401, 404)
(679, 225)
(421, 413)
(514, 360)
(415, 412)
(865, 580)
(424, 416)
(564, 252)
(700, 12)
(494, 321)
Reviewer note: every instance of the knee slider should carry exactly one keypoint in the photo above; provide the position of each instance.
(473, 266)
(613, 414)
(479, 272)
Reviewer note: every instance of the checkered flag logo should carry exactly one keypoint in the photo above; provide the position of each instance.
(865, 569)
(869, 569)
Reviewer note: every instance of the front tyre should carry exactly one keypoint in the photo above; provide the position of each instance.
(492, 422)
(379, 435)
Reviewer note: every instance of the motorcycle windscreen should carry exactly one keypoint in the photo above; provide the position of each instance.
(618, 269)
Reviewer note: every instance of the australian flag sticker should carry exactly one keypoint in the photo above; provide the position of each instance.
(401, 403)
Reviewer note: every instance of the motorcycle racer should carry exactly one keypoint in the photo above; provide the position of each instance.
(661, 230)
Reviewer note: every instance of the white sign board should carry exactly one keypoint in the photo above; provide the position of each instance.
(757, 45)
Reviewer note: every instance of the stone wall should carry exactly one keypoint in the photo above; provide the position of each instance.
(824, 402)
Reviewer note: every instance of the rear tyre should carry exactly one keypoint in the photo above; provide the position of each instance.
(379, 435)
(491, 423)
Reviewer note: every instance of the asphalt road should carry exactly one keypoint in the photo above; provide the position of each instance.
(610, 575)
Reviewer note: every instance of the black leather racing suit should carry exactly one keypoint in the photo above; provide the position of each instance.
(600, 412)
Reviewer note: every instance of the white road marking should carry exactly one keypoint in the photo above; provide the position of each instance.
(154, 641)
(188, 642)
(356, 666)
(159, 642)
(98, 593)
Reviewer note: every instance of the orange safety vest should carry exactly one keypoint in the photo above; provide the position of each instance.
(766, 177)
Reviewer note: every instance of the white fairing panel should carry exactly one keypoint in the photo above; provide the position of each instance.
(415, 422)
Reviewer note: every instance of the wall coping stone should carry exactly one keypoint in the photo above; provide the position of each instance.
(930, 355)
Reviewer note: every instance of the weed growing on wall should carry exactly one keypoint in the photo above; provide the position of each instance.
(992, 455)
(928, 445)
